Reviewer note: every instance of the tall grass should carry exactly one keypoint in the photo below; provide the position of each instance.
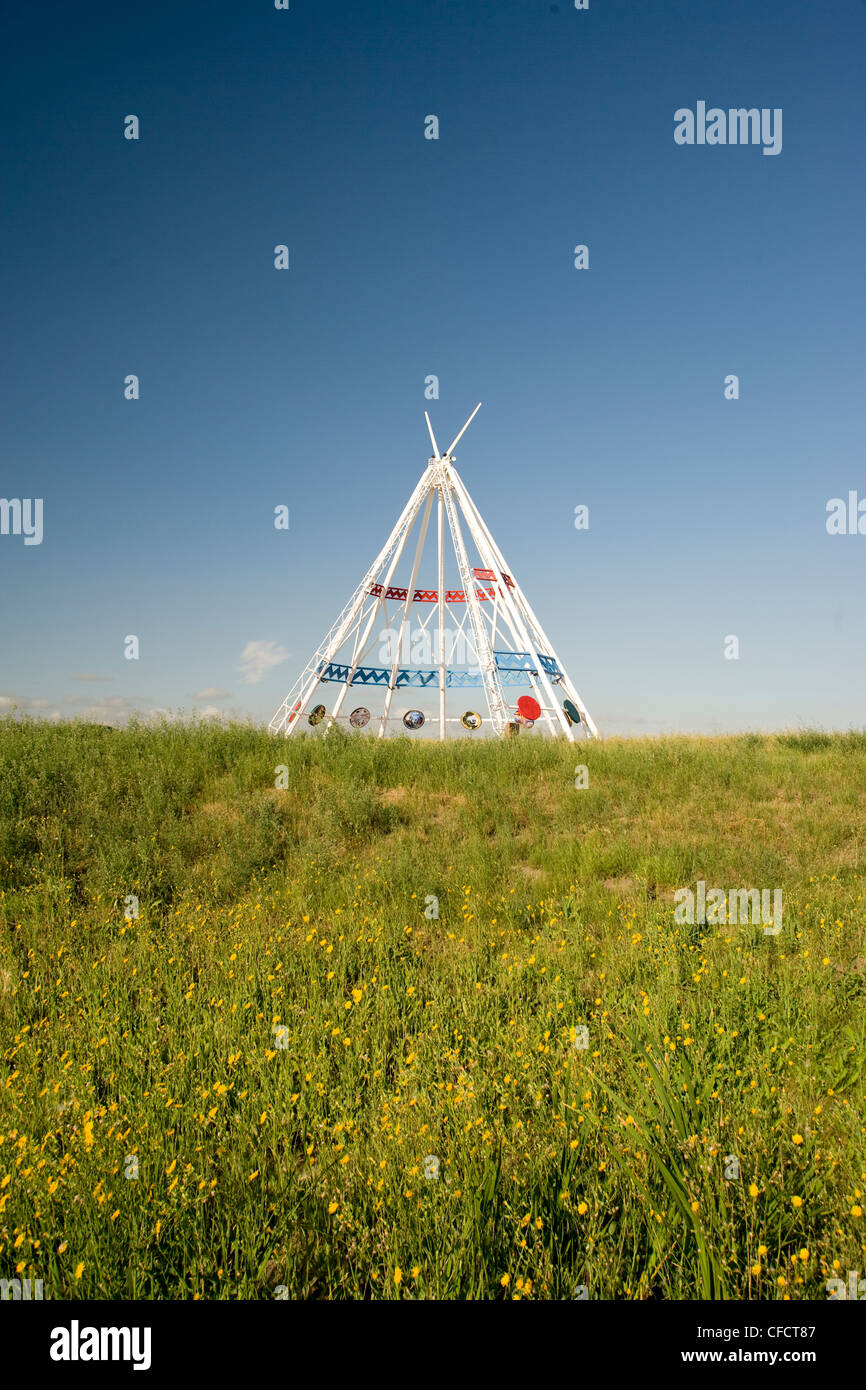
(329, 1091)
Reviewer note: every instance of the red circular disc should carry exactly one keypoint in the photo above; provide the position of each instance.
(529, 707)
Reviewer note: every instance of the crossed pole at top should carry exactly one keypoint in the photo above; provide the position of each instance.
(453, 445)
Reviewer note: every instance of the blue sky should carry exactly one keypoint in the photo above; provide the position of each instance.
(453, 257)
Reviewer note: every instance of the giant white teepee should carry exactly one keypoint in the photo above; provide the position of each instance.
(508, 646)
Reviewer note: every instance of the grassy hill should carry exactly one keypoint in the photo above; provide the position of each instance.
(422, 1022)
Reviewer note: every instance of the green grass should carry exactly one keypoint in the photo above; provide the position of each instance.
(284, 1043)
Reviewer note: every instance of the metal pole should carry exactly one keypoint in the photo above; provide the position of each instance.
(407, 608)
(454, 442)
(432, 436)
(485, 544)
(440, 517)
(496, 702)
(540, 634)
(308, 682)
(408, 520)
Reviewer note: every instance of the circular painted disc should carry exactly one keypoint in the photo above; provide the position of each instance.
(529, 707)
(413, 719)
(359, 717)
(470, 720)
(572, 713)
(316, 715)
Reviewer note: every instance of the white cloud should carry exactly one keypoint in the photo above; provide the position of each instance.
(211, 692)
(116, 710)
(29, 705)
(113, 709)
(26, 704)
(258, 658)
(118, 702)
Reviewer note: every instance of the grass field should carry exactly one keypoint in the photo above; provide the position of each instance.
(286, 1076)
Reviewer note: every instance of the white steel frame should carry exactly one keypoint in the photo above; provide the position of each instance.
(505, 615)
